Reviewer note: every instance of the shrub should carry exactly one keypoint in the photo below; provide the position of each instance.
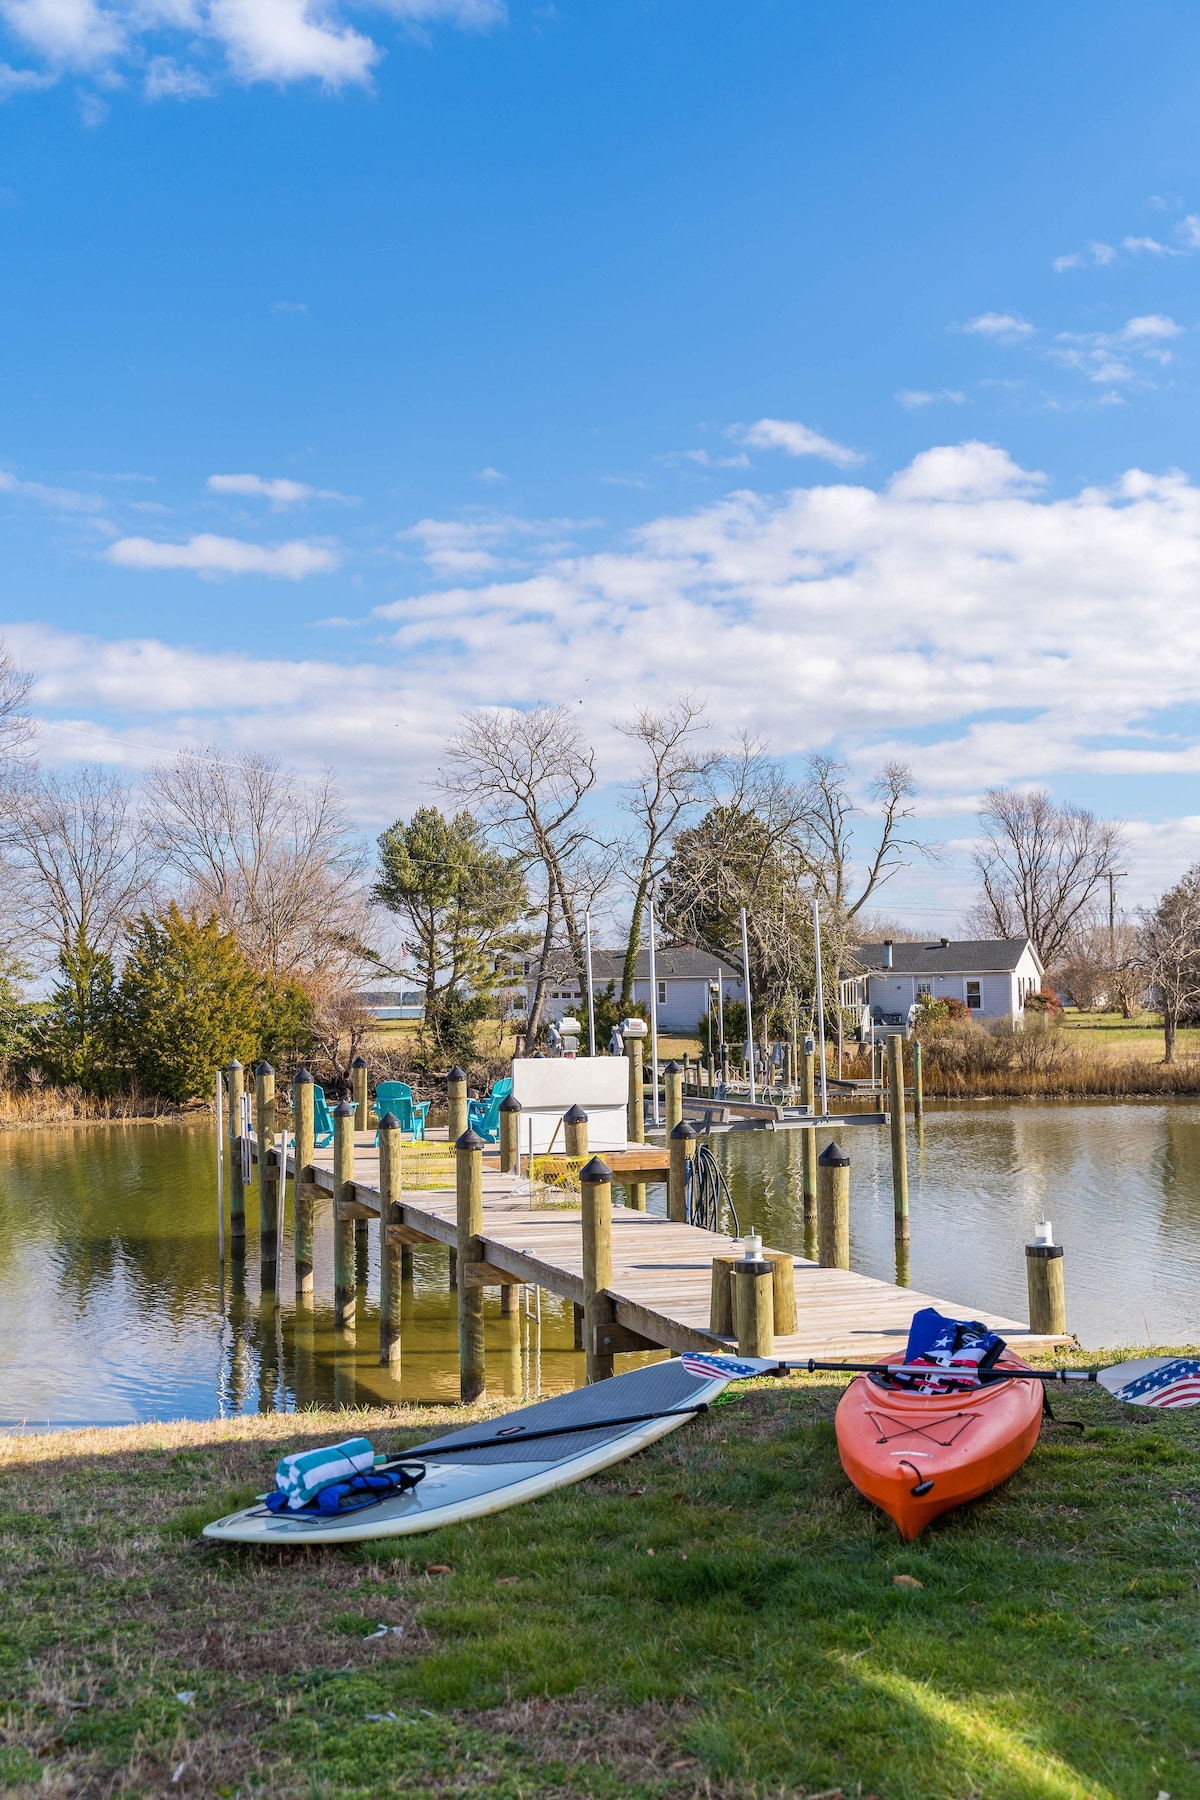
(1044, 1001)
(188, 1002)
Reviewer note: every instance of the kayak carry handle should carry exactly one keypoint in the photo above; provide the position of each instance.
(923, 1485)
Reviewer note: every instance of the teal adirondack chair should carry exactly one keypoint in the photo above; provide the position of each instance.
(396, 1097)
(483, 1116)
(322, 1119)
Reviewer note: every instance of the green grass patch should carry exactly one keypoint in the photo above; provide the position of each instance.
(718, 1617)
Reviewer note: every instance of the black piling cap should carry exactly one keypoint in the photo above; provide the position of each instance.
(673, 1068)
(235, 1064)
(360, 1062)
(834, 1157)
(389, 1122)
(684, 1130)
(510, 1104)
(596, 1170)
(575, 1115)
(470, 1140)
(343, 1110)
(301, 1075)
(264, 1068)
(455, 1074)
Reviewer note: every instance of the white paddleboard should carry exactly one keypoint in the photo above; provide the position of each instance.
(493, 1469)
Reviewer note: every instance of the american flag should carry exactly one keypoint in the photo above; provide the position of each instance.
(1175, 1383)
(708, 1368)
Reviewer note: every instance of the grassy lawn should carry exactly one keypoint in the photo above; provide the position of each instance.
(1109, 1032)
(718, 1617)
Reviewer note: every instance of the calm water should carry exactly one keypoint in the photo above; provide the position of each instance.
(110, 1307)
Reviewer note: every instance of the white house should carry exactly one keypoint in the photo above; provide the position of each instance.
(683, 978)
(991, 976)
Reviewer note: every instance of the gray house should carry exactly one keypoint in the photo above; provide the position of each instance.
(683, 978)
(991, 976)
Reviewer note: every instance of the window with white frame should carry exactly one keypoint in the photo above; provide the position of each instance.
(974, 997)
(662, 993)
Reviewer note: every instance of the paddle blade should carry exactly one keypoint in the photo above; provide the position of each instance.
(732, 1368)
(1155, 1381)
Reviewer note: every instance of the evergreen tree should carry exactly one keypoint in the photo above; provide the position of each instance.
(188, 1002)
(76, 1039)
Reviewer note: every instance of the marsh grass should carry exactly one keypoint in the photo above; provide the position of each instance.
(717, 1617)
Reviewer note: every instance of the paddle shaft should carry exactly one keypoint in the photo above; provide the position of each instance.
(931, 1370)
(548, 1431)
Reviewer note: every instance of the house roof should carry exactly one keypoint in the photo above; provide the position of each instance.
(669, 964)
(967, 956)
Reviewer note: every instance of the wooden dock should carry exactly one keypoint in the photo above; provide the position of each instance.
(661, 1272)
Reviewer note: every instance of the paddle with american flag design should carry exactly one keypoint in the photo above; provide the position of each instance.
(1163, 1381)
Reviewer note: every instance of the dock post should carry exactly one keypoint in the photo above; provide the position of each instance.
(469, 1190)
(833, 1208)
(456, 1104)
(754, 1307)
(1047, 1293)
(720, 1305)
(306, 1193)
(635, 1191)
(672, 1096)
(391, 1254)
(358, 1090)
(783, 1276)
(895, 1057)
(344, 1291)
(596, 1194)
(268, 1186)
(680, 1144)
(235, 1082)
(918, 1083)
(575, 1132)
(808, 1145)
(711, 1073)
(510, 1136)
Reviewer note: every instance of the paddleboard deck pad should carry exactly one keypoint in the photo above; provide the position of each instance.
(499, 1462)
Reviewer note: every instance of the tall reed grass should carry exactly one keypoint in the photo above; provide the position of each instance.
(69, 1105)
(969, 1061)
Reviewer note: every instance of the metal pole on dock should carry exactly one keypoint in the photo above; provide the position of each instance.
(237, 1186)
(808, 1141)
(510, 1136)
(469, 1195)
(575, 1132)
(391, 1252)
(264, 1137)
(749, 1014)
(918, 1083)
(596, 1211)
(280, 1213)
(895, 1060)
(833, 1208)
(816, 919)
(304, 1205)
(587, 938)
(220, 1111)
(680, 1143)
(673, 1096)
(456, 1104)
(635, 1191)
(344, 1292)
(653, 1018)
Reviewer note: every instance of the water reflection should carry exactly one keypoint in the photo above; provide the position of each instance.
(111, 1308)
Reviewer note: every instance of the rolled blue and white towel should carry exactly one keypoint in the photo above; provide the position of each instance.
(306, 1472)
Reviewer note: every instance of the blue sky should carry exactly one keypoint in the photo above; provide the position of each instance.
(839, 363)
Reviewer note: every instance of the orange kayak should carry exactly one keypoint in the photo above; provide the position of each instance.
(918, 1455)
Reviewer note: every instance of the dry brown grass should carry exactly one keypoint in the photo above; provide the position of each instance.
(35, 1106)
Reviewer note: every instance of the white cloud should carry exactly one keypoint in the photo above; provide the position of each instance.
(169, 80)
(22, 81)
(999, 325)
(795, 439)
(1105, 356)
(278, 490)
(477, 546)
(69, 33)
(291, 40)
(92, 109)
(489, 474)
(705, 459)
(1138, 246)
(209, 555)
(912, 399)
(62, 499)
(1154, 326)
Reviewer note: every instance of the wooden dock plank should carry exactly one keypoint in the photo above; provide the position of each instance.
(662, 1271)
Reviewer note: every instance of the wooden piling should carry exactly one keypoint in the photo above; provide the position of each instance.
(833, 1208)
(306, 1189)
(598, 1310)
(672, 1096)
(344, 1290)
(754, 1308)
(358, 1091)
(456, 1104)
(635, 1191)
(391, 1251)
(268, 1185)
(681, 1145)
(808, 1143)
(918, 1084)
(510, 1135)
(895, 1059)
(575, 1132)
(720, 1305)
(235, 1084)
(783, 1279)
(469, 1188)
(1047, 1291)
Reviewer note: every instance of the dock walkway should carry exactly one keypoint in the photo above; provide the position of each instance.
(662, 1272)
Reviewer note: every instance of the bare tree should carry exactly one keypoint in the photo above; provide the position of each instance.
(17, 729)
(672, 779)
(83, 860)
(1041, 867)
(831, 812)
(1102, 967)
(271, 854)
(527, 775)
(1171, 955)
